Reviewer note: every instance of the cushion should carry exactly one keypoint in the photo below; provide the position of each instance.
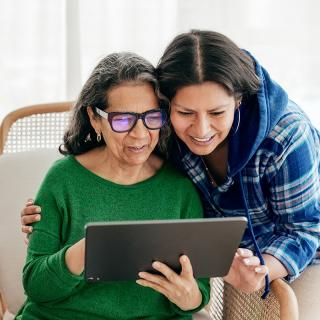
(20, 177)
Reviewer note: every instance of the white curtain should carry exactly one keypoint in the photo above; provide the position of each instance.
(48, 48)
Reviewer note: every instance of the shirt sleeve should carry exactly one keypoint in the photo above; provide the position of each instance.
(294, 198)
(46, 277)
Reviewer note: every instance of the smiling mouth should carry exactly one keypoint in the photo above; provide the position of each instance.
(137, 149)
(202, 141)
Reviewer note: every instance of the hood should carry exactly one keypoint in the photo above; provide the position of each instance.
(258, 115)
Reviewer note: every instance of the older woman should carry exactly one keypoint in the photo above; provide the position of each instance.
(110, 173)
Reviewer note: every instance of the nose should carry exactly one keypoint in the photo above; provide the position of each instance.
(202, 126)
(139, 130)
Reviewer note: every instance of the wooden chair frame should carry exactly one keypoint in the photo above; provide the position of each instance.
(287, 300)
(2, 306)
(28, 111)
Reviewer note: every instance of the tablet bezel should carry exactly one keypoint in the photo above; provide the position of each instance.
(210, 244)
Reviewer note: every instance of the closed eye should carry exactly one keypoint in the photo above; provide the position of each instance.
(185, 113)
(217, 113)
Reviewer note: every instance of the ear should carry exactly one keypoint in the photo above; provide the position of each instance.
(94, 120)
(238, 103)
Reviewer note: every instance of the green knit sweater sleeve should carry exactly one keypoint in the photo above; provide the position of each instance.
(45, 275)
(193, 209)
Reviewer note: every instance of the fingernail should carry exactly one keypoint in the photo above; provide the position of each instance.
(38, 217)
(240, 251)
(38, 209)
(30, 229)
(258, 270)
(246, 262)
(155, 264)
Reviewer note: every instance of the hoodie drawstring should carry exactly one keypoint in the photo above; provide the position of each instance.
(257, 249)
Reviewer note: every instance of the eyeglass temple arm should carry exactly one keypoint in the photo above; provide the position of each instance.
(102, 113)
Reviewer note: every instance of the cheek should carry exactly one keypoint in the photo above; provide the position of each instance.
(225, 123)
(229, 121)
(113, 141)
(154, 136)
(179, 125)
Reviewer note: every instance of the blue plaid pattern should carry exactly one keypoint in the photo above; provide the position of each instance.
(282, 186)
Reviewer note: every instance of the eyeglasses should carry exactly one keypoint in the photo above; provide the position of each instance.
(125, 121)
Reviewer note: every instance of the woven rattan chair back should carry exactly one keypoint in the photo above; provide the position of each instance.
(33, 127)
(227, 303)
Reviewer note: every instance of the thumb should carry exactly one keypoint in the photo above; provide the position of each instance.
(187, 271)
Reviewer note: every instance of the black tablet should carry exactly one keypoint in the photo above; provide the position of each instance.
(116, 251)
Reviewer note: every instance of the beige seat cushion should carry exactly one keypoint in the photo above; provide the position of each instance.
(307, 290)
(20, 177)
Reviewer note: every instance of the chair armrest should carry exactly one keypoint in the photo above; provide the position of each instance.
(287, 300)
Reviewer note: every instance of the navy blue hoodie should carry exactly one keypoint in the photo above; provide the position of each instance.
(273, 177)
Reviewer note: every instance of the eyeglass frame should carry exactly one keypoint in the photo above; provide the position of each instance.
(109, 116)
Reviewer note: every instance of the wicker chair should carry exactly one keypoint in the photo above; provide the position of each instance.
(227, 303)
(42, 126)
(33, 127)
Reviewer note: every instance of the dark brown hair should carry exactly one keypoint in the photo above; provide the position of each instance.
(199, 56)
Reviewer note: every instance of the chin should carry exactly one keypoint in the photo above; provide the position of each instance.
(201, 150)
(138, 160)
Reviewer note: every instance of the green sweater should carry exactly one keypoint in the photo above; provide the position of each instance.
(70, 197)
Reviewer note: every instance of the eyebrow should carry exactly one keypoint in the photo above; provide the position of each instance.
(190, 109)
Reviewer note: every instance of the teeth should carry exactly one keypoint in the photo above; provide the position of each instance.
(202, 139)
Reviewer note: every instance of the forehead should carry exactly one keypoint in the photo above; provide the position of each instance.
(210, 94)
(132, 97)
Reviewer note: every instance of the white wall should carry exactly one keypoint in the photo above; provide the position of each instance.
(48, 48)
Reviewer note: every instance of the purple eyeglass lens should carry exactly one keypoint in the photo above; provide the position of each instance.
(154, 119)
(123, 122)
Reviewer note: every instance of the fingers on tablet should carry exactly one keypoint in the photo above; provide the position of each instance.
(187, 270)
(263, 270)
(243, 252)
(251, 261)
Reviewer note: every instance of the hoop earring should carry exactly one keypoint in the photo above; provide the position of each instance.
(238, 124)
(98, 137)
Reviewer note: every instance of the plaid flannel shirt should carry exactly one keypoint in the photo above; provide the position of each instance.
(282, 185)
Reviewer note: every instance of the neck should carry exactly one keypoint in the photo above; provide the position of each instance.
(100, 162)
(220, 152)
(123, 174)
(217, 162)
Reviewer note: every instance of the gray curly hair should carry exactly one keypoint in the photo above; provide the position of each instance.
(113, 70)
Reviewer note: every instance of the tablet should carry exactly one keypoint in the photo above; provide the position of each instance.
(118, 251)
